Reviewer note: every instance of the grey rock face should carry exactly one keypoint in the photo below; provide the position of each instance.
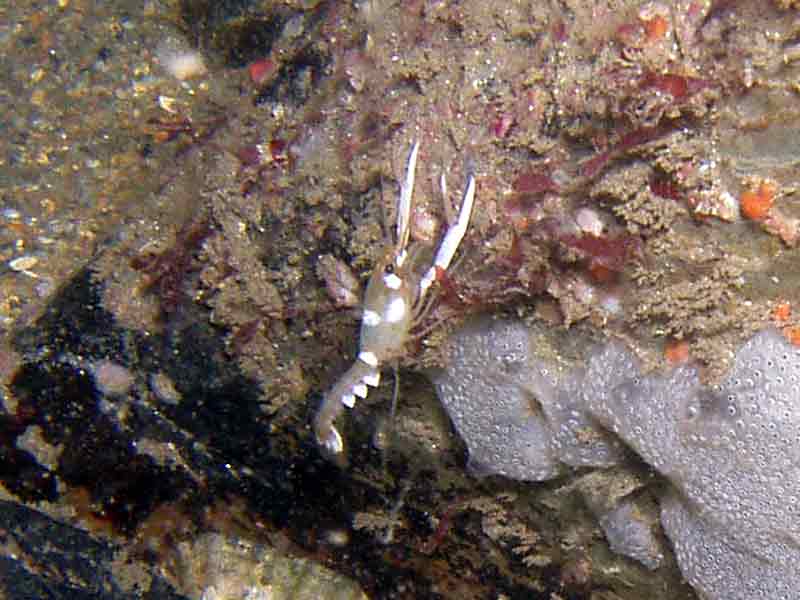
(731, 452)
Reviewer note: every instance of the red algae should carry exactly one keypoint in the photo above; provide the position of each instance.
(533, 182)
(593, 166)
(604, 253)
(166, 272)
(678, 86)
(665, 188)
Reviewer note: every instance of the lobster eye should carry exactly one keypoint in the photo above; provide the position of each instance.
(389, 268)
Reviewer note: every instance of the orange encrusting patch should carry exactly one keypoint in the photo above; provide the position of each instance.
(261, 70)
(782, 311)
(677, 352)
(756, 204)
(792, 334)
(656, 28)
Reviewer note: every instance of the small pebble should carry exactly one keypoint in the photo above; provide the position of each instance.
(23, 264)
(112, 378)
(180, 61)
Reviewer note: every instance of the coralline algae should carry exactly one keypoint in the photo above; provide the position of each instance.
(731, 452)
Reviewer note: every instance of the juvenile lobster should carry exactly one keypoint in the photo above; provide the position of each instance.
(393, 305)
